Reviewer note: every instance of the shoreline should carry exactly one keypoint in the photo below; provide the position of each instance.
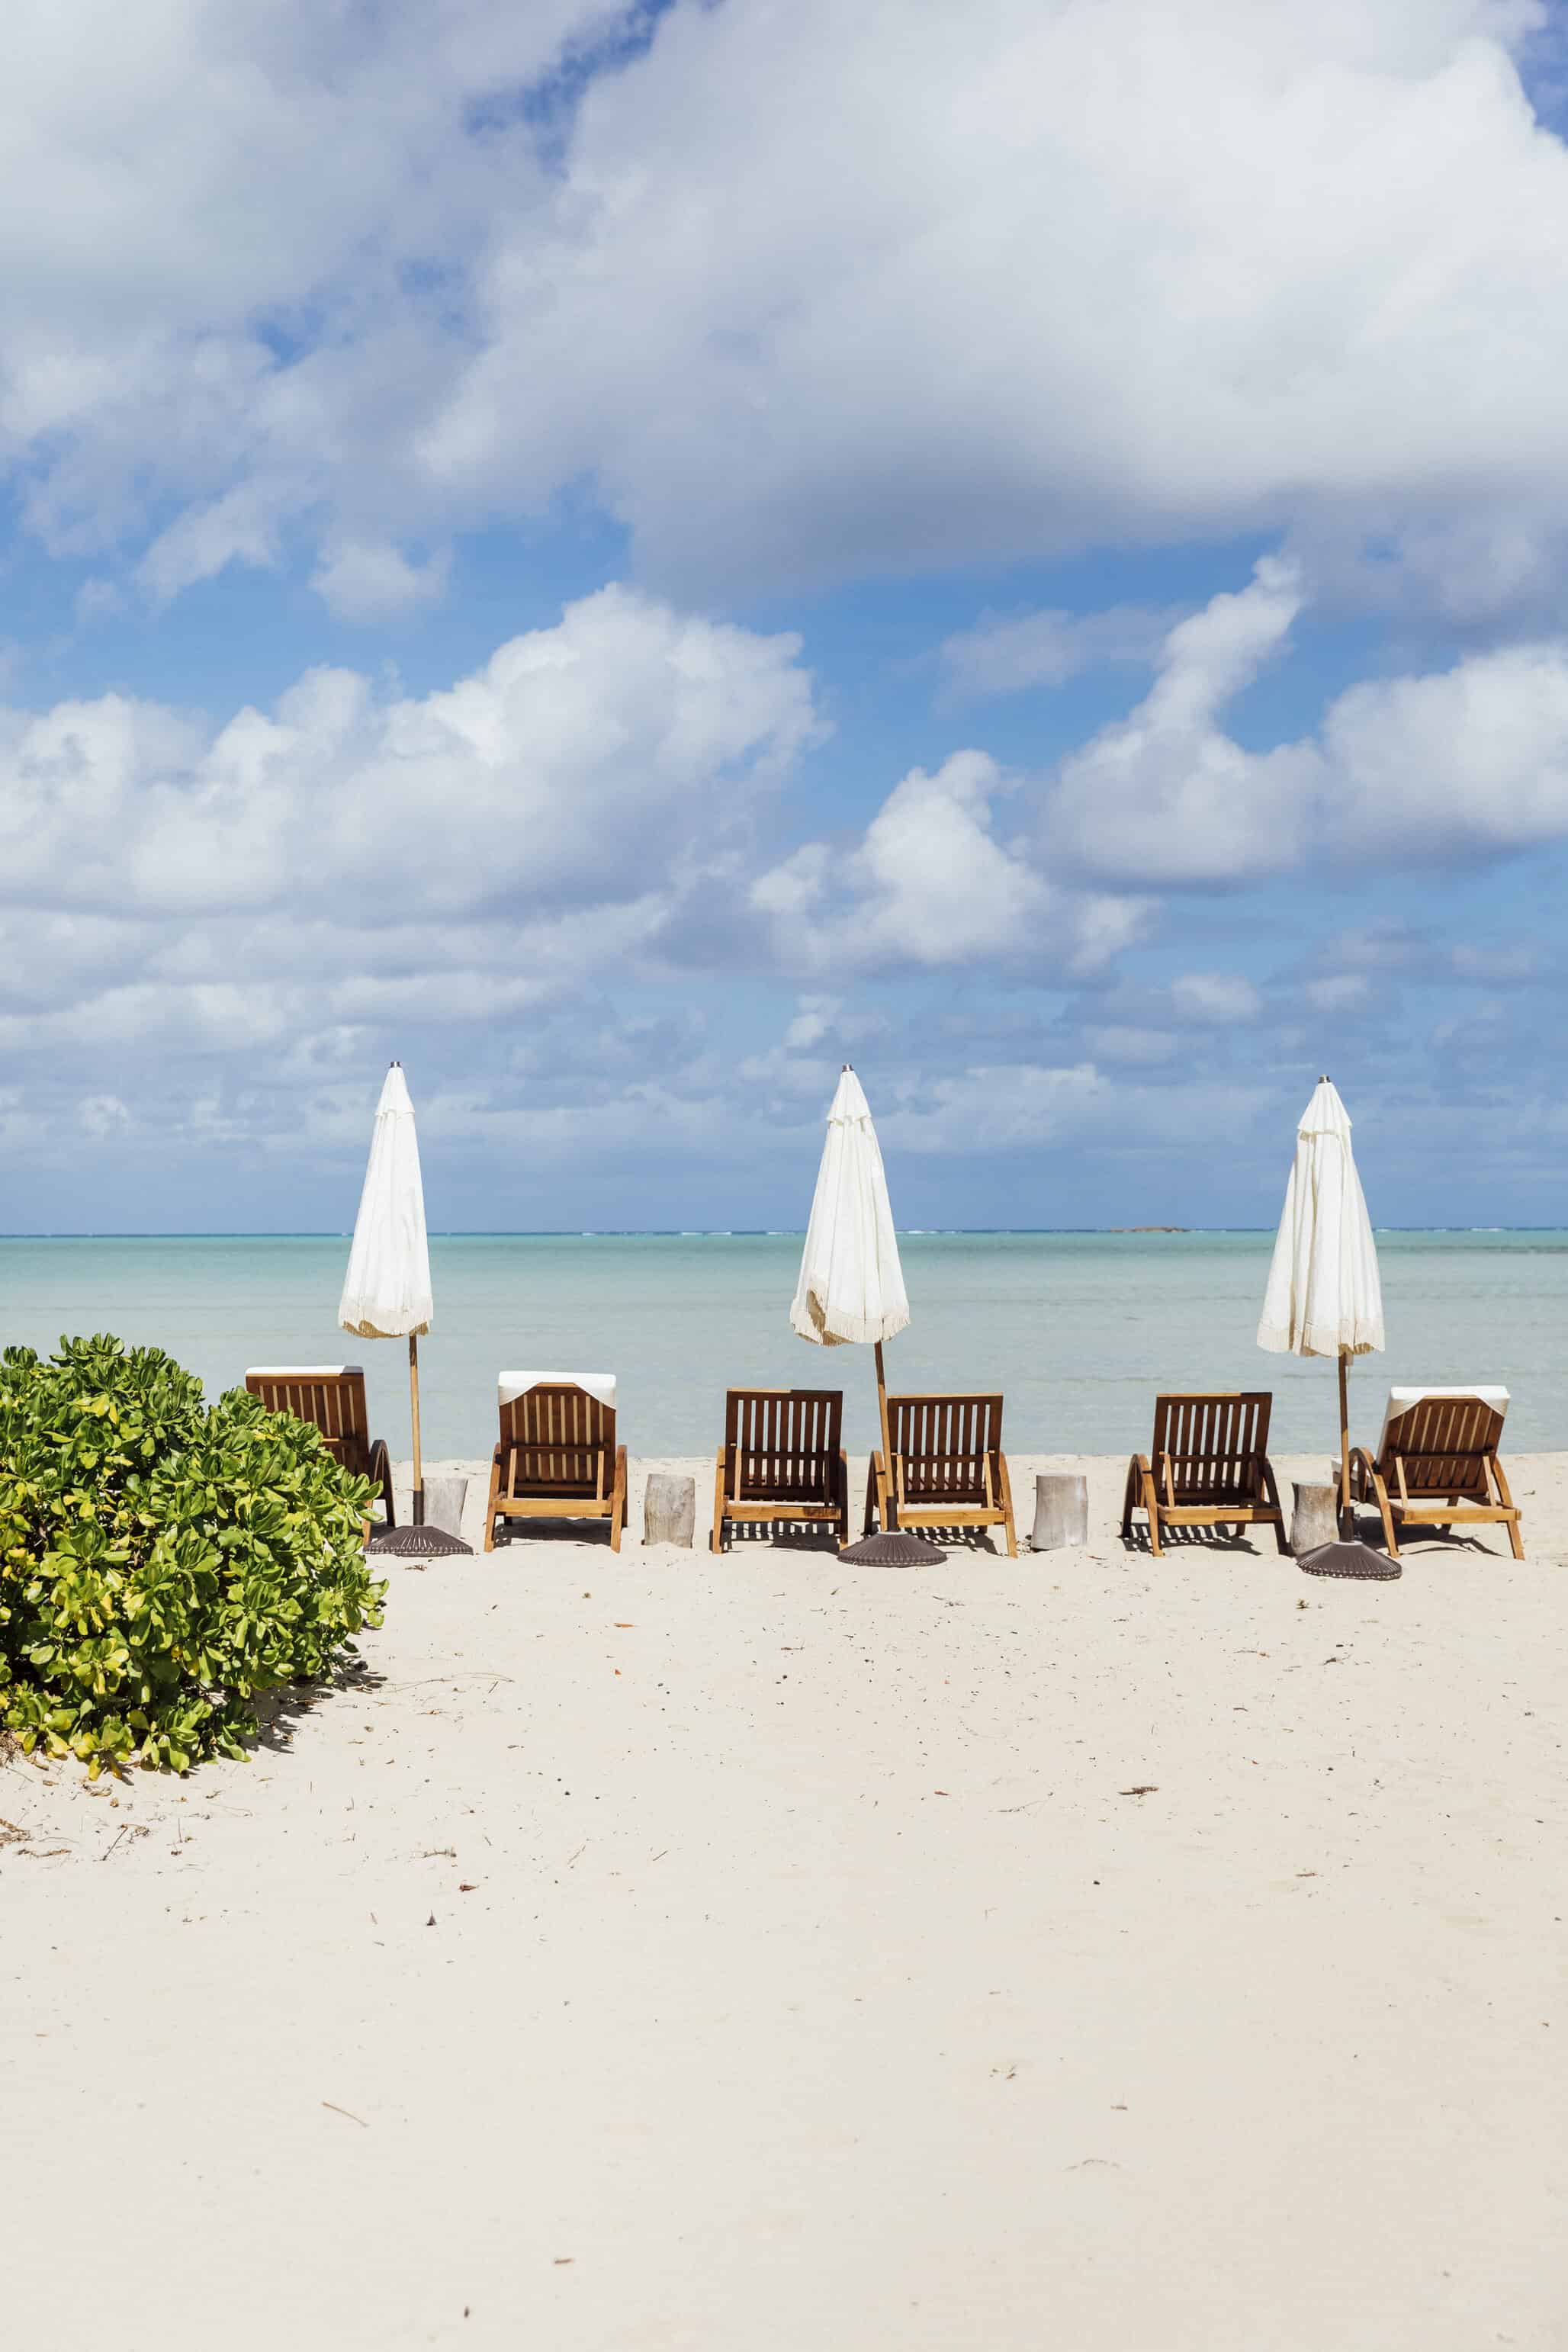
(1538, 1482)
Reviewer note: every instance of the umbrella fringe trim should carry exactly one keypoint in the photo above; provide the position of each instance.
(1293, 1343)
(852, 1330)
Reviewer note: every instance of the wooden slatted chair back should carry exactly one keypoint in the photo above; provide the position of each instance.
(782, 1443)
(331, 1402)
(1216, 1445)
(559, 1439)
(946, 1447)
(1443, 1443)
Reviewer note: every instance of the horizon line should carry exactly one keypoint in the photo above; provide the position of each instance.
(716, 1233)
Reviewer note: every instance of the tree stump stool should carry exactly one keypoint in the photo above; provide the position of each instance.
(444, 1496)
(670, 1509)
(1316, 1517)
(1061, 1510)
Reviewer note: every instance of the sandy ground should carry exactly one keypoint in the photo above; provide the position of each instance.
(763, 1956)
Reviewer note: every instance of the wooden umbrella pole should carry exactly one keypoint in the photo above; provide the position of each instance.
(1344, 1440)
(882, 1420)
(417, 1511)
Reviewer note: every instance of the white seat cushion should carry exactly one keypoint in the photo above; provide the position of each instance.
(1401, 1400)
(602, 1385)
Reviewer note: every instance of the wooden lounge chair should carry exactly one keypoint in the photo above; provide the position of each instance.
(1437, 1464)
(1210, 1468)
(947, 1468)
(557, 1457)
(330, 1396)
(781, 1459)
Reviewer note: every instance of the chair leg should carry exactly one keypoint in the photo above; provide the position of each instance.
(1389, 1537)
(1271, 1488)
(1151, 1505)
(1499, 1481)
(1129, 1500)
(843, 1497)
(717, 1542)
(618, 1499)
(871, 1494)
(1007, 1506)
(493, 1505)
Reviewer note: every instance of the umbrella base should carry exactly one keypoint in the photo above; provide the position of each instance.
(1348, 1559)
(895, 1547)
(418, 1543)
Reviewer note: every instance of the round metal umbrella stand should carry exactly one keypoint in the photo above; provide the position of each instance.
(893, 1548)
(417, 1543)
(1349, 1559)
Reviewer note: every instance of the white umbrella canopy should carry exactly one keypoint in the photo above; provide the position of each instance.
(1324, 1297)
(852, 1284)
(387, 1292)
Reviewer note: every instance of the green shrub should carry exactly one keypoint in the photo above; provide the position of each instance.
(162, 1563)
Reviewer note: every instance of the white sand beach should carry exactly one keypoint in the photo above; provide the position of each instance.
(757, 1954)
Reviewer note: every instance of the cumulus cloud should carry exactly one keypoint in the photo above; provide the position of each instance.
(1166, 795)
(1435, 767)
(928, 884)
(369, 580)
(574, 767)
(1131, 272)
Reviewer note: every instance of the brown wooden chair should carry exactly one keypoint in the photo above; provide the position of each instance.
(1437, 1464)
(781, 1459)
(1210, 1468)
(947, 1467)
(557, 1457)
(330, 1398)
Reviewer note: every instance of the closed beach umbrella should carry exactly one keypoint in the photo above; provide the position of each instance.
(1325, 1297)
(851, 1288)
(387, 1293)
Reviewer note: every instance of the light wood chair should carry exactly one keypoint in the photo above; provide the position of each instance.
(1210, 1468)
(330, 1398)
(781, 1459)
(1437, 1464)
(557, 1457)
(947, 1468)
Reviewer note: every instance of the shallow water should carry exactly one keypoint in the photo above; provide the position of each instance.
(1077, 1330)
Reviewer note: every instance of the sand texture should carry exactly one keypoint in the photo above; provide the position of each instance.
(669, 1954)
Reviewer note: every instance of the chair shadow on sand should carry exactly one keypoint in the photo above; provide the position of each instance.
(761, 1535)
(1226, 1537)
(594, 1535)
(1366, 1529)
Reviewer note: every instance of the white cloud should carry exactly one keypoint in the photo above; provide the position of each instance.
(1215, 999)
(1133, 271)
(102, 1116)
(930, 885)
(1474, 757)
(1001, 655)
(1166, 795)
(575, 766)
(1031, 1105)
(1432, 769)
(1153, 270)
(369, 580)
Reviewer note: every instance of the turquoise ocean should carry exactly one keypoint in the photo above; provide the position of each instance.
(1077, 1330)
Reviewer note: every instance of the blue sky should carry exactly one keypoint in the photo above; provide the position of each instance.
(626, 556)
